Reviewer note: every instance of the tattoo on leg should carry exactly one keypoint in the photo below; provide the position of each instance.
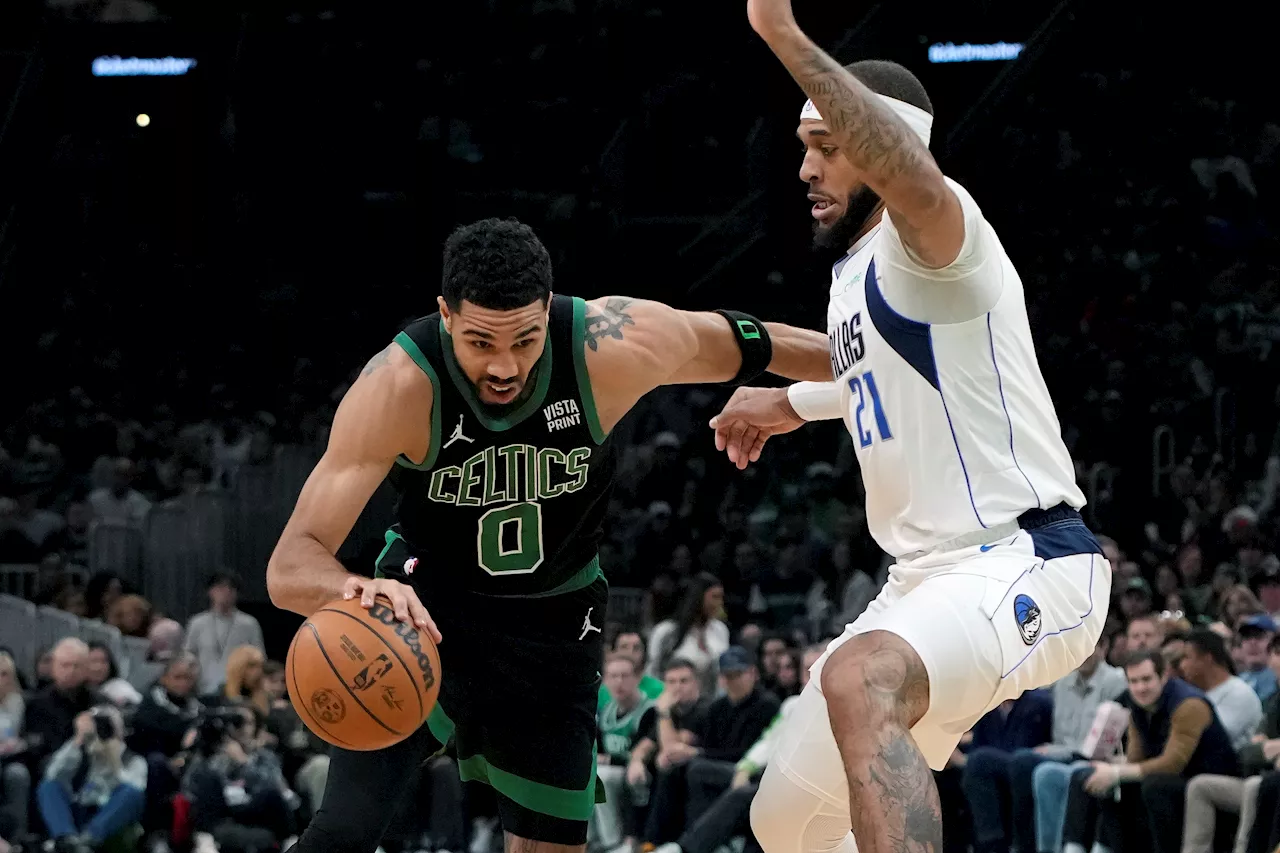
(607, 322)
(893, 801)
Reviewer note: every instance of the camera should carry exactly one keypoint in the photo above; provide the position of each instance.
(214, 725)
(103, 724)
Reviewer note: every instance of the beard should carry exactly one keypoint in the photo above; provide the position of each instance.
(839, 235)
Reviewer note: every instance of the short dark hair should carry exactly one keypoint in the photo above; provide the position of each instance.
(1209, 643)
(223, 576)
(499, 264)
(679, 663)
(1143, 655)
(1174, 637)
(771, 636)
(891, 80)
(644, 647)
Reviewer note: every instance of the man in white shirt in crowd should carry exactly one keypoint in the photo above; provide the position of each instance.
(1207, 664)
(120, 503)
(213, 634)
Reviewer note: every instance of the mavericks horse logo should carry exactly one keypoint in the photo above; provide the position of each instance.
(1027, 614)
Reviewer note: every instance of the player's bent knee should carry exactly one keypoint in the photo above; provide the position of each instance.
(876, 676)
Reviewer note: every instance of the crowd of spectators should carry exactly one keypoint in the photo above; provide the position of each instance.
(200, 747)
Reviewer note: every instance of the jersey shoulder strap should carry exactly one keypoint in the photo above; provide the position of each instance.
(568, 325)
(421, 342)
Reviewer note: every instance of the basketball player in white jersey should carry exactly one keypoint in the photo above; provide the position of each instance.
(998, 586)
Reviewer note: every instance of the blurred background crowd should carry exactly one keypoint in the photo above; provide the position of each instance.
(194, 267)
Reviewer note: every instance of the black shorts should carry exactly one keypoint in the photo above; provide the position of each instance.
(520, 680)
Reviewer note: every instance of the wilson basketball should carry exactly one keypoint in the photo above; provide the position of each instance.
(360, 679)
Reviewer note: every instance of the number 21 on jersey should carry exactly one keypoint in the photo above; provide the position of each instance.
(867, 396)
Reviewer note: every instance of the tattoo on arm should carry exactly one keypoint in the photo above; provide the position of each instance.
(377, 361)
(870, 135)
(607, 322)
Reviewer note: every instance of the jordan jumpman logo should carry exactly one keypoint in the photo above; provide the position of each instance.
(457, 434)
(587, 627)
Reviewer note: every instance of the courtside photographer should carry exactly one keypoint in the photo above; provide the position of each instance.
(238, 794)
(94, 787)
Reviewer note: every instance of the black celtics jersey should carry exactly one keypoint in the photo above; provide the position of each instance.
(510, 500)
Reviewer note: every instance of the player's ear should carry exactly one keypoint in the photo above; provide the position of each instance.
(444, 312)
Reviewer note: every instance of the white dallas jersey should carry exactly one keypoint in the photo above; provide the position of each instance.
(953, 426)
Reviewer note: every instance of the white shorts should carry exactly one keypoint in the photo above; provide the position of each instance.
(989, 622)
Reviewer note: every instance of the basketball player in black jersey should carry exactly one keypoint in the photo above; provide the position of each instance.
(493, 418)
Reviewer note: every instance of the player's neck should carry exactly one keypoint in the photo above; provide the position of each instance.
(872, 221)
(224, 609)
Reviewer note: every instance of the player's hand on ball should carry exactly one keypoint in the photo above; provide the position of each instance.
(750, 418)
(404, 601)
(768, 16)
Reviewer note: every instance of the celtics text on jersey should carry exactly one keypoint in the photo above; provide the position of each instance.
(508, 501)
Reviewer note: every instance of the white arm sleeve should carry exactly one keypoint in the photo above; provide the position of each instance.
(966, 288)
(816, 401)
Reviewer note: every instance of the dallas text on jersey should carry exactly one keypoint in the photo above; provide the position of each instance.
(845, 340)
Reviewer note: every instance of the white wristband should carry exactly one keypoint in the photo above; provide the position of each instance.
(816, 401)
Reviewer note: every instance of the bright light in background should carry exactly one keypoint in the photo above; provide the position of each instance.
(998, 52)
(143, 119)
(114, 66)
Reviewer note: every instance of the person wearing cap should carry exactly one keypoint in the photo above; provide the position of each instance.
(1207, 665)
(733, 722)
(1135, 600)
(728, 815)
(1254, 636)
(212, 635)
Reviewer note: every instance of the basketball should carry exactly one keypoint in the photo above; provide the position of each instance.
(360, 679)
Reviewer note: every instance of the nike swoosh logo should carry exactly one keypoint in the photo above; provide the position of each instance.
(985, 548)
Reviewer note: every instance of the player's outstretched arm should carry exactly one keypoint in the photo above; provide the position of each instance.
(381, 417)
(754, 415)
(886, 152)
(634, 346)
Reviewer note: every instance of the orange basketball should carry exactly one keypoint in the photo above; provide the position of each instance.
(359, 678)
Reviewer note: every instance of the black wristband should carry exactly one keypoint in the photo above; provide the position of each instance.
(753, 340)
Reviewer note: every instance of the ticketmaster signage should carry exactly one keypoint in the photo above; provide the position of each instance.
(1000, 51)
(115, 66)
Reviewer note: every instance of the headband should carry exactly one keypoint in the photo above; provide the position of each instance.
(917, 119)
